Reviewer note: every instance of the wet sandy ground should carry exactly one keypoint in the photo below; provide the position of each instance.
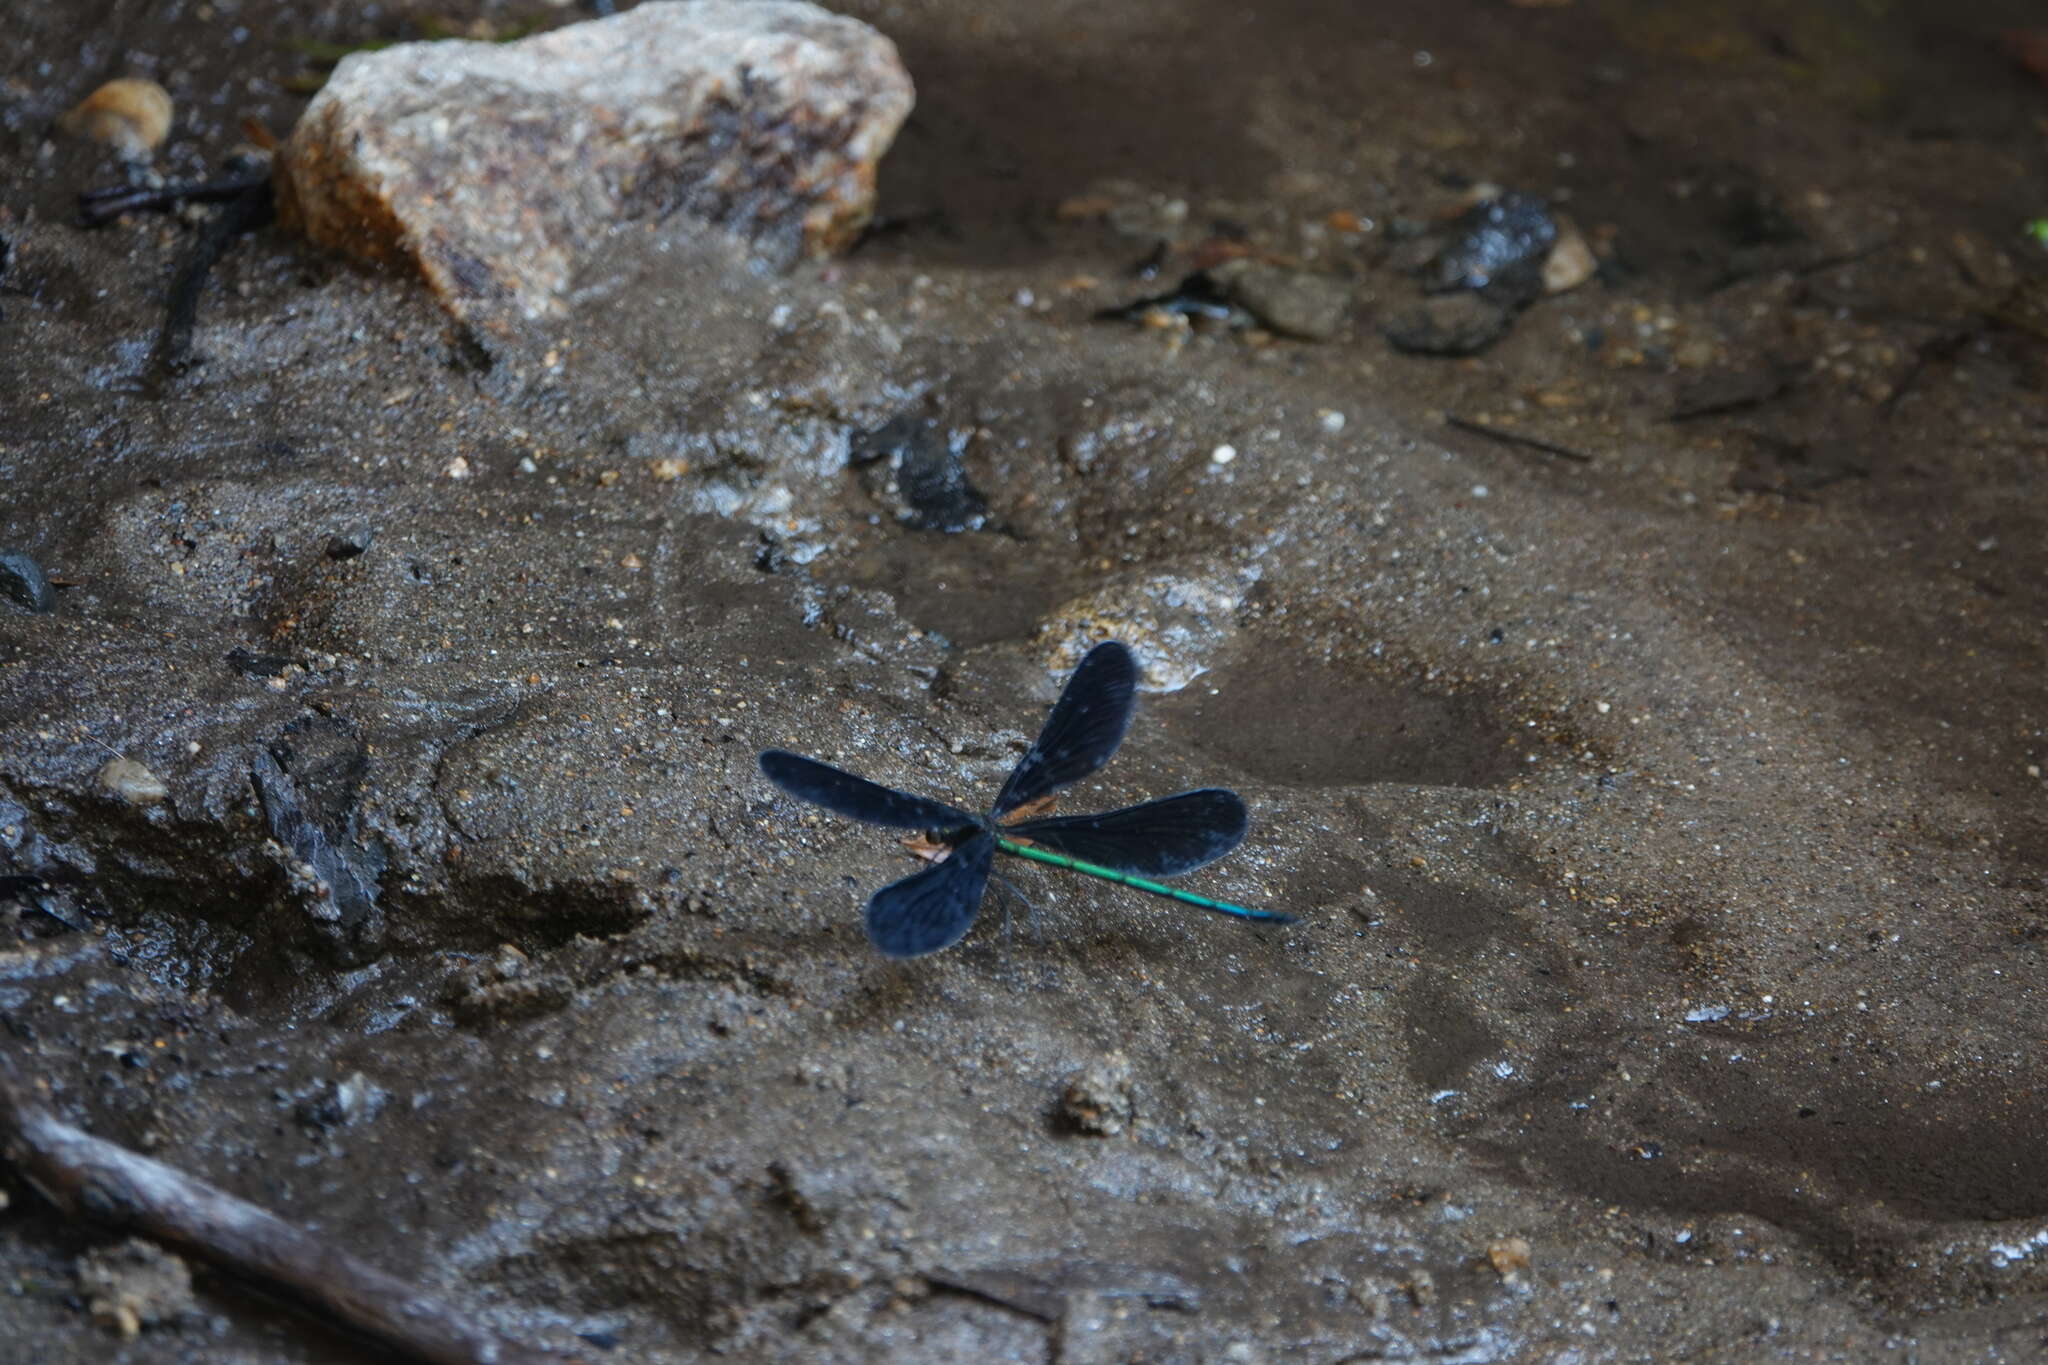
(1667, 826)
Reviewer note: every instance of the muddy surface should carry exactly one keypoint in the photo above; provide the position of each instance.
(1667, 825)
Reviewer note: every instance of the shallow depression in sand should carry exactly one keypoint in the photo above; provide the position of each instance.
(1304, 722)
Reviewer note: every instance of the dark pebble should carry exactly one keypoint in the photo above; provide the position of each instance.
(1723, 391)
(1298, 303)
(22, 580)
(250, 664)
(1498, 247)
(930, 480)
(1449, 324)
(348, 543)
(348, 870)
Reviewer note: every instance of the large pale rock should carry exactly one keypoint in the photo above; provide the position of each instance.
(495, 167)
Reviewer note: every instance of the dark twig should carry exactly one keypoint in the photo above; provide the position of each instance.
(1516, 438)
(1819, 264)
(96, 208)
(88, 1177)
(1037, 1296)
(1018, 1293)
(250, 209)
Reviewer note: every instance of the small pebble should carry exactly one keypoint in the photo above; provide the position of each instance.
(1097, 1099)
(1509, 1255)
(131, 116)
(1464, 323)
(134, 1285)
(1306, 304)
(133, 783)
(458, 468)
(1571, 261)
(1332, 420)
(1480, 490)
(22, 580)
(1223, 454)
(349, 543)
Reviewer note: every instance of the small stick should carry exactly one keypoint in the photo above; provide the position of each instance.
(96, 208)
(88, 1177)
(1516, 438)
(248, 210)
(1729, 279)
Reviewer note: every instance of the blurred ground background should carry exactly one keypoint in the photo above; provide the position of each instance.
(1665, 815)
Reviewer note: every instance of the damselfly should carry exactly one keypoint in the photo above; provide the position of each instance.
(932, 909)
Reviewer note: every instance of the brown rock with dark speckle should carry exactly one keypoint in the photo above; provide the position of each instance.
(496, 167)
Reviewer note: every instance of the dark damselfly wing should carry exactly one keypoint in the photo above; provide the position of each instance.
(930, 910)
(1162, 838)
(856, 798)
(1086, 725)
